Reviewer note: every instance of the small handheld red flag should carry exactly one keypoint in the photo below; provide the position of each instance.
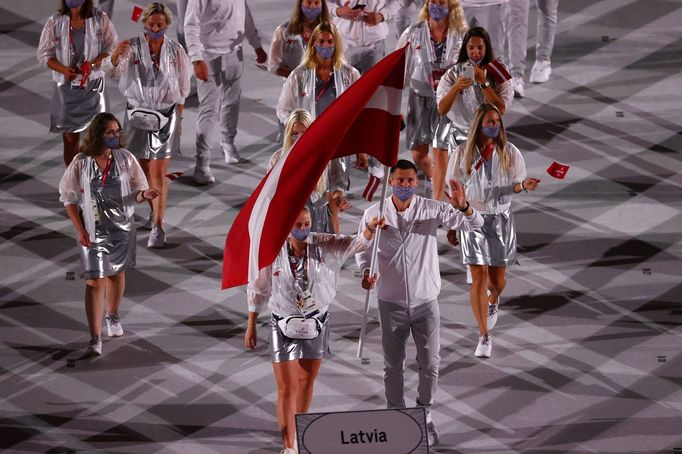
(85, 71)
(137, 12)
(174, 175)
(558, 170)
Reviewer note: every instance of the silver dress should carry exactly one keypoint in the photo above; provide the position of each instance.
(113, 249)
(74, 106)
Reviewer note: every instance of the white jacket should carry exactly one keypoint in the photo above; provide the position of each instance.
(169, 85)
(421, 56)
(100, 36)
(407, 259)
(468, 100)
(326, 255)
(286, 49)
(74, 187)
(356, 32)
(217, 27)
(298, 91)
(492, 196)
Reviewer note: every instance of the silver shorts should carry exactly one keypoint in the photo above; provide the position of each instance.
(494, 244)
(286, 349)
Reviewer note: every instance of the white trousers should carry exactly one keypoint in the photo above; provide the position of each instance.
(518, 32)
(219, 99)
(493, 19)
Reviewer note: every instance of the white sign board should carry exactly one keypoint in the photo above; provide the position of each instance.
(392, 431)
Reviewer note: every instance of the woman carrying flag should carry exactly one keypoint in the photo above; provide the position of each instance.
(298, 289)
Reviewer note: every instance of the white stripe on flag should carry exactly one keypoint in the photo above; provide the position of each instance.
(258, 214)
(386, 98)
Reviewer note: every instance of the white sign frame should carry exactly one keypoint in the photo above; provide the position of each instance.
(393, 430)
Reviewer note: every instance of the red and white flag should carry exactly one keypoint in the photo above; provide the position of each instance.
(558, 170)
(365, 117)
(498, 70)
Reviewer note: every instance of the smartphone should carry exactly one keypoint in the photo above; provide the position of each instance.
(468, 70)
(360, 6)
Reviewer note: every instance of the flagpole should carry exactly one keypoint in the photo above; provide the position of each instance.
(372, 265)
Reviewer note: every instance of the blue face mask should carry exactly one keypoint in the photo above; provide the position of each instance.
(311, 13)
(111, 142)
(155, 36)
(490, 131)
(403, 193)
(300, 234)
(325, 53)
(74, 3)
(437, 12)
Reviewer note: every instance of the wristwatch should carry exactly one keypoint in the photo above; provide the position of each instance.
(466, 208)
(484, 85)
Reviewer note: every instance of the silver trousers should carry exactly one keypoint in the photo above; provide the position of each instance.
(492, 18)
(219, 99)
(518, 32)
(397, 323)
(364, 57)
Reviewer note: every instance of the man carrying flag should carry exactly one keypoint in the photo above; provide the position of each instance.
(408, 279)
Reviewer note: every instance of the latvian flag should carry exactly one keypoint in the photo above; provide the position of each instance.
(365, 117)
(498, 70)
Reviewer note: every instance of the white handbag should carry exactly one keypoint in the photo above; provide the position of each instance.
(299, 327)
(146, 119)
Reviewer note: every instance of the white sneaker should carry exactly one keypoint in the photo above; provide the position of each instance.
(484, 347)
(492, 315)
(517, 84)
(431, 432)
(157, 239)
(95, 347)
(540, 72)
(288, 451)
(114, 327)
(231, 154)
(203, 175)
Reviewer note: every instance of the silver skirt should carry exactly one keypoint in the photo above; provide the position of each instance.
(494, 244)
(152, 144)
(424, 125)
(73, 109)
(286, 349)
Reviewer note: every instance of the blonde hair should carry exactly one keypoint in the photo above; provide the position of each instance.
(156, 8)
(475, 132)
(303, 117)
(309, 60)
(456, 19)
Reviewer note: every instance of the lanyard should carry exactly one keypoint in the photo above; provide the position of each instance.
(327, 84)
(105, 174)
(485, 155)
(293, 264)
(72, 46)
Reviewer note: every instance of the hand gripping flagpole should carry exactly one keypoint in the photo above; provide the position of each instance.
(372, 264)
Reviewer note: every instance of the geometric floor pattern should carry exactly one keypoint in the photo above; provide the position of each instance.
(587, 352)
